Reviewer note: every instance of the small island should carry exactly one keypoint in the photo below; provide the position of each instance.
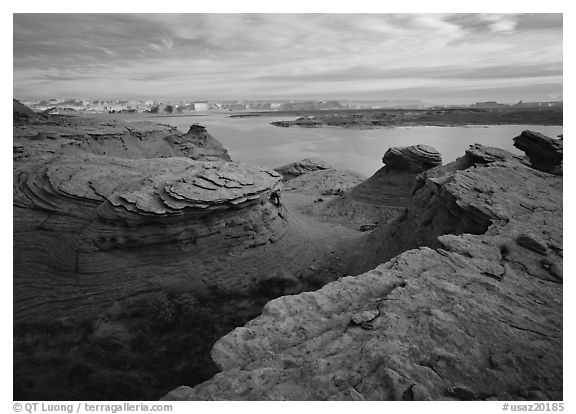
(376, 118)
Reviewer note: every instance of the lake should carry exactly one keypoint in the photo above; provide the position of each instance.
(254, 140)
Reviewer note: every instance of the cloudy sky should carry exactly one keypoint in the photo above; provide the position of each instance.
(436, 58)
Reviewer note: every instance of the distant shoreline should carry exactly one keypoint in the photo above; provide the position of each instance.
(429, 117)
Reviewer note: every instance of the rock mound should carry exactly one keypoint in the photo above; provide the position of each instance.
(305, 166)
(201, 145)
(386, 194)
(416, 158)
(545, 153)
(86, 223)
(142, 189)
(72, 135)
(107, 211)
(475, 316)
(325, 182)
(21, 111)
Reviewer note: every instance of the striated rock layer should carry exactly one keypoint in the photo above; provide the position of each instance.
(387, 193)
(109, 212)
(137, 247)
(305, 166)
(416, 158)
(91, 230)
(70, 135)
(545, 153)
(476, 316)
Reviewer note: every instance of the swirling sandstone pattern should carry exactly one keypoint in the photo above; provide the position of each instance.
(110, 212)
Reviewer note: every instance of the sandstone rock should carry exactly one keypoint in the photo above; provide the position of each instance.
(71, 135)
(305, 166)
(324, 182)
(108, 212)
(201, 145)
(470, 317)
(367, 226)
(532, 242)
(141, 189)
(77, 217)
(363, 317)
(21, 111)
(139, 244)
(384, 196)
(545, 154)
(416, 158)
(394, 184)
(480, 154)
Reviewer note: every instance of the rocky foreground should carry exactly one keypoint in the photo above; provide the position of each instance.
(137, 246)
(143, 257)
(476, 316)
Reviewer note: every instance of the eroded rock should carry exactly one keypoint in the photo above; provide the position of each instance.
(71, 135)
(305, 166)
(470, 317)
(385, 195)
(325, 182)
(545, 153)
(416, 158)
(106, 211)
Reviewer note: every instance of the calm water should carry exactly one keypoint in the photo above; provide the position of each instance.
(254, 140)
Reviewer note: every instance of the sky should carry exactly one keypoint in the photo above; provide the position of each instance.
(434, 58)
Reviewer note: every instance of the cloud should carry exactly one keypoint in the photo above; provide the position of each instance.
(500, 23)
(232, 56)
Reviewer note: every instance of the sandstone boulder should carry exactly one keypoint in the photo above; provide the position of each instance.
(545, 153)
(416, 158)
(386, 194)
(305, 166)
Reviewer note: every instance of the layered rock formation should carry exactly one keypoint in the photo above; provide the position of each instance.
(313, 176)
(108, 228)
(305, 166)
(545, 154)
(325, 182)
(111, 218)
(416, 158)
(388, 192)
(136, 247)
(106, 211)
(70, 135)
(477, 315)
